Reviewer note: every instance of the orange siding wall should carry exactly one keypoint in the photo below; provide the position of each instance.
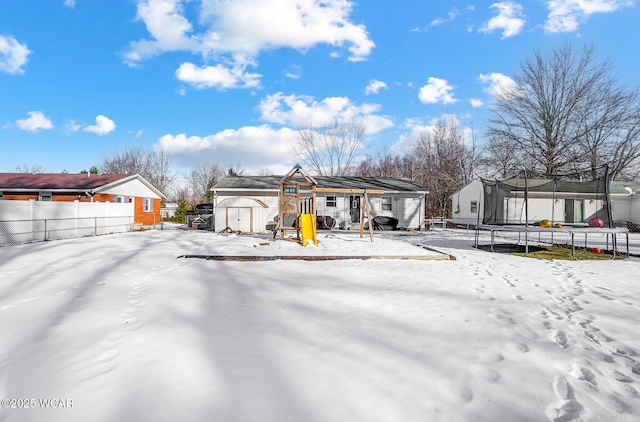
(146, 218)
(19, 196)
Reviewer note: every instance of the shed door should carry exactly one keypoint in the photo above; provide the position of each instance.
(239, 219)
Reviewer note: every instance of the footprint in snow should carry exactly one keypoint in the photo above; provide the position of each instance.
(567, 408)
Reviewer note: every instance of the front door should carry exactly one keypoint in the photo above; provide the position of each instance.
(239, 219)
(354, 208)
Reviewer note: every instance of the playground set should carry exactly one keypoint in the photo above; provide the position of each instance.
(297, 206)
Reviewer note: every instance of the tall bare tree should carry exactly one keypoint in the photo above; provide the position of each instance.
(202, 178)
(331, 150)
(446, 163)
(154, 166)
(567, 112)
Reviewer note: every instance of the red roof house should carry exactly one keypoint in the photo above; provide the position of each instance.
(86, 188)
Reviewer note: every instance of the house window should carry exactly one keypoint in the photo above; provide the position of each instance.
(385, 203)
(148, 205)
(45, 197)
(119, 199)
(0, 196)
(474, 207)
(331, 201)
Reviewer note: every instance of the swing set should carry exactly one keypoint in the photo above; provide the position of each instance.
(297, 205)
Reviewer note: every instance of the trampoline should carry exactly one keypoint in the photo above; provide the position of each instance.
(571, 231)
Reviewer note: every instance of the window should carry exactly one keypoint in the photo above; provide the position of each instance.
(45, 196)
(330, 201)
(474, 207)
(0, 196)
(148, 205)
(385, 203)
(119, 199)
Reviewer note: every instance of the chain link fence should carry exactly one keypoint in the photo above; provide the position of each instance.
(17, 232)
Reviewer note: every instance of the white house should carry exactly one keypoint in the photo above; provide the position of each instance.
(249, 203)
(485, 201)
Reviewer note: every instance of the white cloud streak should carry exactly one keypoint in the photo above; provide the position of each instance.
(451, 16)
(217, 76)
(510, 20)
(256, 147)
(436, 91)
(13, 55)
(302, 110)
(567, 15)
(35, 122)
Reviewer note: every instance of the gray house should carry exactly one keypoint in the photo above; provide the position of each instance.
(250, 203)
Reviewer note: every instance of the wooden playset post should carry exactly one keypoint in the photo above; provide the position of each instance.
(367, 211)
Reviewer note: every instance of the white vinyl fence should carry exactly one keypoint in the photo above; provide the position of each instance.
(36, 221)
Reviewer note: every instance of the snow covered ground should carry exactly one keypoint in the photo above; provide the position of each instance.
(116, 328)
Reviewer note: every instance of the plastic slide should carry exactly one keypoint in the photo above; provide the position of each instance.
(308, 228)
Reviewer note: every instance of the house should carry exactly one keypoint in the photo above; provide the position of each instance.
(484, 201)
(86, 188)
(250, 203)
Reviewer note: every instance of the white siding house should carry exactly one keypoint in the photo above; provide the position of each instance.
(503, 202)
(249, 203)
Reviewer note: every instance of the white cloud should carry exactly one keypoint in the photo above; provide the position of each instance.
(239, 30)
(34, 122)
(509, 20)
(70, 3)
(451, 16)
(436, 91)
(293, 72)
(256, 147)
(497, 83)
(302, 110)
(166, 25)
(374, 87)
(217, 76)
(103, 126)
(567, 15)
(476, 102)
(13, 55)
(71, 126)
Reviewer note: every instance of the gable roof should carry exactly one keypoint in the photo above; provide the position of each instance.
(27, 182)
(272, 183)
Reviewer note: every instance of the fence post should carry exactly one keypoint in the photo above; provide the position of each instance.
(95, 226)
(45, 229)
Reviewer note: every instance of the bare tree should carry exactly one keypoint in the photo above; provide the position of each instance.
(567, 112)
(33, 168)
(331, 150)
(154, 166)
(446, 163)
(202, 178)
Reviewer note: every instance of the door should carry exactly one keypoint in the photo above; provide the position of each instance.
(573, 210)
(239, 219)
(354, 208)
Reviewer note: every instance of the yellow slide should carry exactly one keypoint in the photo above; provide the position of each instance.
(308, 228)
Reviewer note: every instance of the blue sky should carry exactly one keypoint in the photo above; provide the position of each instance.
(230, 80)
